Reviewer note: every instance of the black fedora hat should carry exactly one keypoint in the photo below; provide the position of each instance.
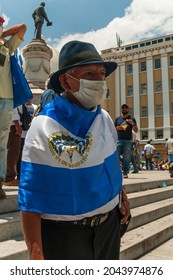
(77, 53)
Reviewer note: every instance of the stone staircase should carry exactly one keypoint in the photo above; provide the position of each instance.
(152, 218)
(151, 225)
(12, 245)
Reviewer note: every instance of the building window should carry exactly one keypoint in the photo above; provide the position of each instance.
(159, 110)
(134, 46)
(144, 134)
(160, 40)
(131, 113)
(129, 68)
(143, 88)
(129, 90)
(171, 84)
(143, 66)
(171, 108)
(171, 60)
(157, 63)
(158, 86)
(159, 134)
(144, 111)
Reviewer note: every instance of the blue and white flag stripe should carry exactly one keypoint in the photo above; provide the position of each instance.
(70, 170)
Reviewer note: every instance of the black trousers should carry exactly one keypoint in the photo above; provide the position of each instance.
(72, 242)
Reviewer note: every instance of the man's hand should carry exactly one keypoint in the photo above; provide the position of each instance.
(119, 127)
(18, 128)
(125, 207)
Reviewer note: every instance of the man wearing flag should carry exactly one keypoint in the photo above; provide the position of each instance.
(70, 184)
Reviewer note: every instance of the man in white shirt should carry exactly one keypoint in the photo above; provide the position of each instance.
(149, 152)
(169, 148)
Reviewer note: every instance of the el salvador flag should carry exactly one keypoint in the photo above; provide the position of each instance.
(70, 167)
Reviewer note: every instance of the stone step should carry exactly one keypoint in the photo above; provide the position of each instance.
(162, 252)
(9, 204)
(147, 213)
(137, 242)
(142, 186)
(14, 249)
(10, 226)
(151, 224)
(149, 196)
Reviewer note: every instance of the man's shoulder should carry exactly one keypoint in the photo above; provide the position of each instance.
(104, 112)
(106, 115)
(118, 118)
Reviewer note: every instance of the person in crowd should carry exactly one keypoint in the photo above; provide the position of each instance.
(7, 47)
(134, 153)
(71, 181)
(124, 125)
(46, 97)
(31, 109)
(13, 146)
(149, 153)
(138, 154)
(39, 15)
(169, 148)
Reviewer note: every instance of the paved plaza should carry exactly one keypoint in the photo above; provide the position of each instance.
(147, 176)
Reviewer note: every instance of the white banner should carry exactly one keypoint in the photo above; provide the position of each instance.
(85, 270)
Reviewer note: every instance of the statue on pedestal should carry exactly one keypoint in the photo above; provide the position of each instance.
(39, 15)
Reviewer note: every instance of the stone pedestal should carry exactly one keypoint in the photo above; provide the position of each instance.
(37, 55)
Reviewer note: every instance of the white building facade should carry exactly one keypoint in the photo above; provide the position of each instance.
(143, 80)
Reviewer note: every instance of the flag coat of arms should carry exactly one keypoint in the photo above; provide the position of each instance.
(70, 167)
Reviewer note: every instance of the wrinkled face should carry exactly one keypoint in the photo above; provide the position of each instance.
(95, 72)
(70, 81)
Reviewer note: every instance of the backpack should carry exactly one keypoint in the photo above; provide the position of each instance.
(25, 118)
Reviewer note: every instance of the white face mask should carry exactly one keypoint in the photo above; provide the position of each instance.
(1, 30)
(91, 93)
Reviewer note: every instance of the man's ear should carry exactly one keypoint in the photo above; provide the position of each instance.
(64, 83)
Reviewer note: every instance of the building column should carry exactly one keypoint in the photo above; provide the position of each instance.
(117, 92)
(165, 94)
(151, 109)
(136, 104)
(122, 83)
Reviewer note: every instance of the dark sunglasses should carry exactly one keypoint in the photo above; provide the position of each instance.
(124, 107)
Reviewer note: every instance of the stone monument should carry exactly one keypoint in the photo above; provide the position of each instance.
(37, 55)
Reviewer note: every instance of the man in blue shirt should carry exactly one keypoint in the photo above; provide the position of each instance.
(124, 125)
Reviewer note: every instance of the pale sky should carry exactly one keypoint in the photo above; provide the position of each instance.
(95, 21)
